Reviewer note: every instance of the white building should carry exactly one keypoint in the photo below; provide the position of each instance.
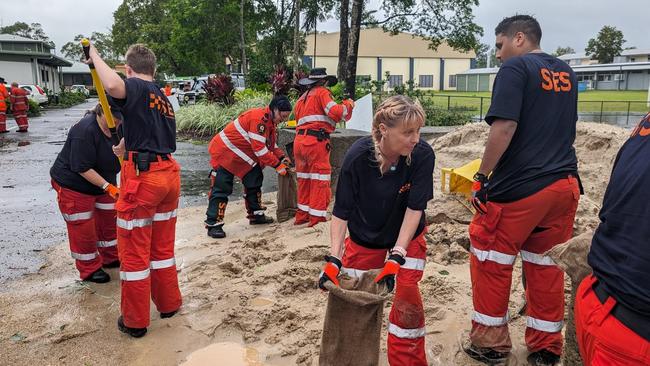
(28, 61)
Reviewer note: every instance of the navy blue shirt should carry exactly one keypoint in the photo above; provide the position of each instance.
(149, 123)
(374, 205)
(539, 92)
(86, 147)
(620, 249)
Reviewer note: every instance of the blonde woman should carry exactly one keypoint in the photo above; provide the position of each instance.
(385, 184)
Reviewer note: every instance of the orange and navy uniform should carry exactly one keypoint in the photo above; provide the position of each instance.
(533, 195)
(612, 309)
(247, 141)
(146, 208)
(316, 117)
(19, 107)
(4, 96)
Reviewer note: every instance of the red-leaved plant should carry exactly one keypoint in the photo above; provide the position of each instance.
(280, 83)
(219, 89)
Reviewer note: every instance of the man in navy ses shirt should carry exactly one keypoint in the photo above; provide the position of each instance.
(525, 193)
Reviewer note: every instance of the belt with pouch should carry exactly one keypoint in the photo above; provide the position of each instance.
(321, 135)
(142, 159)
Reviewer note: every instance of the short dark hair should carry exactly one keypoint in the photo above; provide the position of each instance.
(141, 59)
(525, 24)
(281, 102)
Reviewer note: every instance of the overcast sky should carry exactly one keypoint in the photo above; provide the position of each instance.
(564, 22)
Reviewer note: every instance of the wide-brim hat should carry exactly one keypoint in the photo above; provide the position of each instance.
(318, 74)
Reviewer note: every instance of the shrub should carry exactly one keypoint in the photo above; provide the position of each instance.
(220, 89)
(437, 116)
(204, 119)
(279, 79)
(33, 111)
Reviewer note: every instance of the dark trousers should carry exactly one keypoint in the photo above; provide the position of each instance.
(221, 184)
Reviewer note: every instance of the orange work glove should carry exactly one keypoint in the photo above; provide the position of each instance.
(281, 169)
(480, 193)
(112, 191)
(330, 271)
(391, 267)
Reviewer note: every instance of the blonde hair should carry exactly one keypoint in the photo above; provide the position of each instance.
(394, 111)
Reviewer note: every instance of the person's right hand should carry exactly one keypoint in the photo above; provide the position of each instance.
(112, 191)
(330, 271)
(351, 101)
(281, 169)
(119, 149)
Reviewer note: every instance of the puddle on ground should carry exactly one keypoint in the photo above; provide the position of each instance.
(259, 302)
(224, 353)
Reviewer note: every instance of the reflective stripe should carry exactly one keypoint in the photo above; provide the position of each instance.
(406, 333)
(316, 118)
(78, 216)
(493, 255)
(236, 150)
(262, 152)
(258, 212)
(134, 276)
(257, 137)
(345, 111)
(490, 321)
(131, 224)
(544, 325)
(315, 176)
(416, 264)
(353, 272)
(311, 211)
(542, 260)
(84, 257)
(104, 206)
(213, 173)
(106, 244)
(164, 216)
(329, 106)
(319, 213)
(241, 130)
(165, 263)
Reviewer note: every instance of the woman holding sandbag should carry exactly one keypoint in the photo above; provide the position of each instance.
(385, 183)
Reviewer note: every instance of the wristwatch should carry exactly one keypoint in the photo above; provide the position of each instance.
(480, 177)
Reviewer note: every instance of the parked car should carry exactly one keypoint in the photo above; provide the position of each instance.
(238, 81)
(80, 89)
(36, 93)
(192, 91)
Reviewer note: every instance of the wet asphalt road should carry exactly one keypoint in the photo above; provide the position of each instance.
(29, 217)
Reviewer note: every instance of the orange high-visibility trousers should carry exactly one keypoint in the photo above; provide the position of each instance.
(602, 339)
(406, 329)
(530, 227)
(91, 228)
(146, 229)
(313, 171)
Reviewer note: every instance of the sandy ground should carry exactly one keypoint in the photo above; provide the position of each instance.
(251, 299)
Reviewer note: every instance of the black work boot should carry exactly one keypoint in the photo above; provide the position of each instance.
(168, 315)
(486, 355)
(133, 332)
(260, 219)
(543, 358)
(216, 231)
(99, 276)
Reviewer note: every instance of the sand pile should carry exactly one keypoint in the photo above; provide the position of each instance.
(258, 287)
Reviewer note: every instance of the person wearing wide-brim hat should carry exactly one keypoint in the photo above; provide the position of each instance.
(316, 114)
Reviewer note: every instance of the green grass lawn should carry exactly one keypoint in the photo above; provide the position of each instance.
(611, 102)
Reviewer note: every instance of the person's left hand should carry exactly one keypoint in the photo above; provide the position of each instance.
(119, 149)
(391, 267)
(286, 161)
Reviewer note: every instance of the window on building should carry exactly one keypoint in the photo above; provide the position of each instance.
(395, 80)
(610, 76)
(426, 81)
(363, 80)
(452, 81)
(585, 77)
(632, 59)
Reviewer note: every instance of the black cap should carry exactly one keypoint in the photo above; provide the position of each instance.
(316, 74)
(2, 80)
(281, 103)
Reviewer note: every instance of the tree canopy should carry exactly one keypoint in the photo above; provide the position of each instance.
(607, 45)
(32, 31)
